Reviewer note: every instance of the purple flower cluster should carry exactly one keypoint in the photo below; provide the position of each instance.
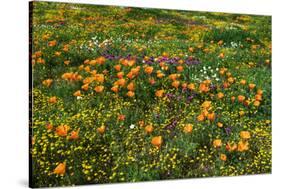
(172, 125)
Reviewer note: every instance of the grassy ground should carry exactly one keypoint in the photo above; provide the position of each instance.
(127, 94)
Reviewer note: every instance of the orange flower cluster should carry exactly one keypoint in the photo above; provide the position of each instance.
(204, 87)
(70, 76)
(206, 112)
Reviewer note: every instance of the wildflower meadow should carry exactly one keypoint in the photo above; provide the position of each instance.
(122, 94)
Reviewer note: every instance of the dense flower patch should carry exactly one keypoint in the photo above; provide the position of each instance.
(127, 94)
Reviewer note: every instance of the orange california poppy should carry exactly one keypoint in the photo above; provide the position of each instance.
(120, 75)
(77, 93)
(241, 98)
(206, 105)
(200, 117)
(47, 82)
(52, 43)
(203, 87)
(49, 126)
(223, 157)
(117, 67)
(88, 80)
(157, 141)
(231, 147)
(121, 82)
(99, 88)
(130, 94)
(159, 93)
(53, 100)
(230, 80)
(149, 129)
(243, 146)
(115, 88)
(160, 75)
(99, 78)
(100, 60)
(191, 86)
(220, 95)
(221, 55)
(173, 76)
(256, 103)
(87, 68)
(60, 169)
(101, 129)
(259, 92)
(243, 82)
(176, 84)
(217, 143)
(62, 130)
(188, 128)
(121, 117)
(131, 86)
(148, 69)
(179, 68)
(252, 86)
(66, 62)
(245, 135)
(184, 85)
(211, 116)
(74, 134)
(85, 87)
(258, 97)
